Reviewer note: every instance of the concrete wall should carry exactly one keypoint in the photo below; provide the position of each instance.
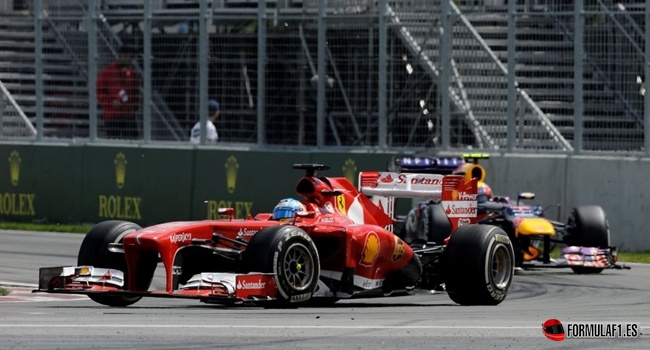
(615, 183)
(147, 185)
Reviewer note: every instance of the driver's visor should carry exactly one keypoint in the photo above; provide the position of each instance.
(554, 329)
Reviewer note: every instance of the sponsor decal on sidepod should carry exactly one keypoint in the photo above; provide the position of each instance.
(180, 237)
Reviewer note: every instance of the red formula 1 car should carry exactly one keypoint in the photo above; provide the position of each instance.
(340, 245)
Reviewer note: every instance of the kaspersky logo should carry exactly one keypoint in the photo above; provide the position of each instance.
(232, 166)
(120, 169)
(350, 170)
(14, 167)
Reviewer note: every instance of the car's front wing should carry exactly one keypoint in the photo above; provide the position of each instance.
(208, 286)
(591, 257)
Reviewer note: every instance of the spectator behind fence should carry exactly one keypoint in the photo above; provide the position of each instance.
(214, 110)
(118, 93)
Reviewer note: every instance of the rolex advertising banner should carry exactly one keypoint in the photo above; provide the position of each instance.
(254, 182)
(40, 183)
(146, 185)
(248, 182)
(138, 184)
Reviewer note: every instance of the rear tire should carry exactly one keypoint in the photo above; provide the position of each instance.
(439, 225)
(291, 255)
(94, 252)
(588, 227)
(479, 265)
(426, 222)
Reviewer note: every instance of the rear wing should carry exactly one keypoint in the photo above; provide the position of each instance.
(457, 196)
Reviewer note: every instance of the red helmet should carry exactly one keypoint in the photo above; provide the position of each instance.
(553, 329)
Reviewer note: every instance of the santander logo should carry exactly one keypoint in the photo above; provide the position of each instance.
(180, 237)
(388, 179)
(251, 285)
(454, 210)
(244, 232)
(419, 180)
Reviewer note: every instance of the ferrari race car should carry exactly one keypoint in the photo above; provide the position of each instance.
(339, 245)
(585, 236)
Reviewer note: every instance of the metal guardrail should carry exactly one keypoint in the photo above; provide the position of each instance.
(349, 39)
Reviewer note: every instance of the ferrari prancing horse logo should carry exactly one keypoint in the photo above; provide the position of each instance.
(340, 203)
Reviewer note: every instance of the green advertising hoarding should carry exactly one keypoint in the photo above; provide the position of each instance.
(138, 184)
(146, 185)
(254, 182)
(249, 182)
(40, 183)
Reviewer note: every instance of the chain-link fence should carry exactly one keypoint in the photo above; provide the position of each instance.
(529, 75)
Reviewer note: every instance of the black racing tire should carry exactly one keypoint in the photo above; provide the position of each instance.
(94, 252)
(478, 265)
(406, 277)
(588, 227)
(291, 255)
(439, 225)
(428, 221)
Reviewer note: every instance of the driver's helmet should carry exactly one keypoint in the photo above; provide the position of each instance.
(286, 209)
(484, 192)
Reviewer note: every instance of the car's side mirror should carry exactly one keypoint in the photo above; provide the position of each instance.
(306, 214)
(227, 212)
(525, 195)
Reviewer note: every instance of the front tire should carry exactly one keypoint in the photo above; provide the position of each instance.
(94, 252)
(588, 227)
(479, 265)
(291, 255)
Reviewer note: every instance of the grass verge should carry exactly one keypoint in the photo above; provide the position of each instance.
(641, 257)
(4, 291)
(26, 226)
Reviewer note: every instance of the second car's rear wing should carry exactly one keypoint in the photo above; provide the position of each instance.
(458, 198)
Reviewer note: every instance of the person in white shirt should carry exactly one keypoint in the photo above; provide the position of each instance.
(214, 110)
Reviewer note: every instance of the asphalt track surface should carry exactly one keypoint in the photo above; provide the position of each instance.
(421, 321)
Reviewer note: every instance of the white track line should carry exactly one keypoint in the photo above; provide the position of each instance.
(261, 326)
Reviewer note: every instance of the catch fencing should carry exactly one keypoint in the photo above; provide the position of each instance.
(533, 76)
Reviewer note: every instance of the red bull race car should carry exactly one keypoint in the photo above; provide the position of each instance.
(584, 238)
(336, 243)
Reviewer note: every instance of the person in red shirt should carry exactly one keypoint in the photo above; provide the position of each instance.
(118, 93)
